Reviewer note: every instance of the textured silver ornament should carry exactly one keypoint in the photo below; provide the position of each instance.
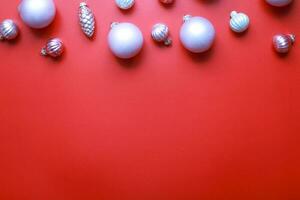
(8, 30)
(160, 33)
(86, 20)
(283, 42)
(54, 48)
(239, 22)
(125, 4)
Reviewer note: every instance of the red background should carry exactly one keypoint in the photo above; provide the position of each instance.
(166, 125)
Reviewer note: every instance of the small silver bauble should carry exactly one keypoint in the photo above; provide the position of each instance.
(86, 20)
(37, 13)
(8, 30)
(54, 48)
(125, 40)
(125, 4)
(279, 3)
(283, 42)
(160, 33)
(197, 34)
(239, 22)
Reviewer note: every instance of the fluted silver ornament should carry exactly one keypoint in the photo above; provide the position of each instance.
(125, 4)
(239, 22)
(86, 19)
(8, 30)
(283, 42)
(54, 48)
(160, 33)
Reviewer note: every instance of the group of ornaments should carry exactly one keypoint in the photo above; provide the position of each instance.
(125, 40)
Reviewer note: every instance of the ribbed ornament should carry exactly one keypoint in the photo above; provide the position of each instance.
(8, 30)
(125, 4)
(239, 22)
(160, 33)
(86, 20)
(283, 42)
(54, 48)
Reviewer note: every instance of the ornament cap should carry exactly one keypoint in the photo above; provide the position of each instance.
(168, 42)
(233, 13)
(292, 37)
(44, 51)
(82, 4)
(113, 24)
(187, 18)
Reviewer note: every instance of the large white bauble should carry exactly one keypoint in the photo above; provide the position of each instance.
(197, 34)
(125, 40)
(37, 13)
(279, 3)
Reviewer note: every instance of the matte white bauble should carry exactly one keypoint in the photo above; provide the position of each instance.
(37, 13)
(125, 40)
(197, 34)
(279, 3)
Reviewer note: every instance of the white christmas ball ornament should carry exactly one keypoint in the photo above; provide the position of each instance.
(125, 40)
(197, 34)
(37, 13)
(239, 22)
(125, 4)
(279, 3)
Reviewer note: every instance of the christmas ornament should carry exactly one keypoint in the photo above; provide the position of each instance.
(8, 30)
(197, 34)
(86, 20)
(125, 40)
(160, 33)
(283, 42)
(239, 22)
(54, 48)
(166, 1)
(125, 4)
(279, 3)
(37, 13)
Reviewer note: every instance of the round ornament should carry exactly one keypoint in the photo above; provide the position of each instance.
(197, 34)
(239, 22)
(8, 30)
(86, 20)
(125, 4)
(279, 3)
(283, 42)
(160, 33)
(37, 13)
(166, 1)
(125, 40)
(54, 48)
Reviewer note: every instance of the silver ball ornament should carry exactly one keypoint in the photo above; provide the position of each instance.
(54, 48)
(239, 22)
(197, 34)
(125, 40)
(279, 3)
(283, 42)
(37, 13)
(125, 4)
(160, 33)
(8, 30)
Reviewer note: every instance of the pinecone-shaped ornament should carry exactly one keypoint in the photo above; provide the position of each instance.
(86, 20)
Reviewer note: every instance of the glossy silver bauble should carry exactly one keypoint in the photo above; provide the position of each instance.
(160, 33)
(125, 4)
(54, 48)
(283, 42)
(239, 22)
(8, 30)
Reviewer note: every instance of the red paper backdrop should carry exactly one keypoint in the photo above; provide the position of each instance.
(167, 125)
